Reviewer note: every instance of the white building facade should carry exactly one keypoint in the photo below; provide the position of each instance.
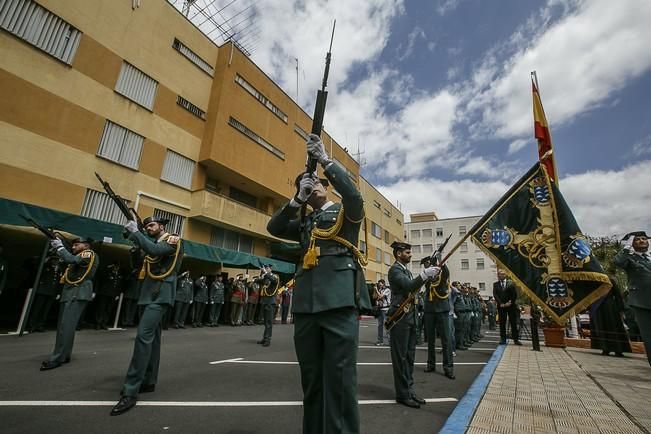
(425, 232)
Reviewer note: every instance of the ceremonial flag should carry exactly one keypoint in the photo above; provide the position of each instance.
(541, 132)
(531, 233)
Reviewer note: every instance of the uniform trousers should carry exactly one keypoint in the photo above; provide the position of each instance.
(438, 323)
(403, 354)
(643, 319)
(143, 369)
(214, 312)
(268, 315)
(69, 314)
(512, 315)
(180, 312)
(326, 347)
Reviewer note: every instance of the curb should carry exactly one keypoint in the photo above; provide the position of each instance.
(462, 414)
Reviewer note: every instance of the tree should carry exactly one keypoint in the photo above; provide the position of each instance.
(605, 249)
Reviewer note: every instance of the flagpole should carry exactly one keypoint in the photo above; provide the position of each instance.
(491, 212)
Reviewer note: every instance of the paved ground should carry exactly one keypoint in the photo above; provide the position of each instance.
(251, 390)
(565, 391)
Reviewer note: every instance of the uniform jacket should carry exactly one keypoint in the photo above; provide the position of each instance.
(184, 290)
(402, 283)
(509, 293)
(436, 304)
(272, 282)
(77, 267)
(638, 271)
(337, 277)
(216, 292)
(200, 291)
(155, 291)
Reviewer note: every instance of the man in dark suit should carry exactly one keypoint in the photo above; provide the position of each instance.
(635, 259)
(403, 333)
(329, 289)
(505, 295)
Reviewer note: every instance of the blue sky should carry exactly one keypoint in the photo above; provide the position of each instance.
(438, 94)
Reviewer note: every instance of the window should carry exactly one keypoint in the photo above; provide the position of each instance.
(482, 286)
(399, 222)
(178, 170)
(239, 126)
(231, 240)
(480, 263)
(376, 230)
(386, 237)
(243, 197)
(439, 232)
(212, 185)
(176, 222)
(191, 107)
(120, 145)
(462, 230)
(427, 233)
(378, 255)
(415, 249)
(301, 132)
(136, 86)
(387, 258)
(464, 264)
(362, 246)
(428, 248)
(377, 204)
(386, 212)
(98, 205)
(463, 248)
(260, 97)
(193, 57)
(415, 235)
(378, 276)
(41, 28)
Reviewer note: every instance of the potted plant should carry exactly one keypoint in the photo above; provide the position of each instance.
(554, 333)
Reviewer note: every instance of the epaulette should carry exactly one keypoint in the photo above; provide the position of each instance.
(86, 254)
(173, 239)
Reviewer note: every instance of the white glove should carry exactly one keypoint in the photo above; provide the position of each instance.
(430, 272)
(117, 297)
(316, 150)
(93, 296)
(57, 297)
(131, 226)
(56, 244)
(305, 188)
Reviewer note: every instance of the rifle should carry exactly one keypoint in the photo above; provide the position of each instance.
(408, 302)
(47, 232)
(128, 212)
(319, 111)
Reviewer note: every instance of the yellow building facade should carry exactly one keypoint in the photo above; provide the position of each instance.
(180, 127)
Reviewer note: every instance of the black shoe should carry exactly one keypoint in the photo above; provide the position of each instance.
(502, 342)
(182, 326)
(418, 399)
(462, 348)
(517, 343)
(47, 365)
(260, 342)
(605, 353)
(125, 404)
(619, 354)
(176, 326)
(430, 369)
(450, 375)
(147, 388)
(67, 360)
(266, 343)
(408, 402)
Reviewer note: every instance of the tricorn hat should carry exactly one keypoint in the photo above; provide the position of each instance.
(158, 220)
(635, 234)
(400, 245)
(86, 240)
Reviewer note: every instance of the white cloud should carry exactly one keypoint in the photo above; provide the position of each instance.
(518, 144)
(603, 202)
(445, 6)
(642, 148)
(413, 36)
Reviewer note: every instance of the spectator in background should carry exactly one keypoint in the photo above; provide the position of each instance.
(383, 301)
(237, 299)
(200, 301)
(216, 300)
(183, 300)
(286, 301)
(607, 331)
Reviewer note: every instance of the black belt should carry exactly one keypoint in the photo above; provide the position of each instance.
(334, 251)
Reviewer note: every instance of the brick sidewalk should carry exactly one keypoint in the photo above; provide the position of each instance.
(548, 392)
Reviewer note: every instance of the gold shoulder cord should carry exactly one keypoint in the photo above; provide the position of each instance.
(267, 294)
(432, 289)
(78, 281)
(310, 260)
(155, 259)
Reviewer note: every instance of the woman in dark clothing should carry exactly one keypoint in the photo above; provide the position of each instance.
(607, 331)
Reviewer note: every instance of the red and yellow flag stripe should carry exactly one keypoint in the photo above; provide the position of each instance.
(542, 134)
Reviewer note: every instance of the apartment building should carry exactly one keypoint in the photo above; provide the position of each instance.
(425, 232)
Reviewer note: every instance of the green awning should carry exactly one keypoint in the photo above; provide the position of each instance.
(101, 230)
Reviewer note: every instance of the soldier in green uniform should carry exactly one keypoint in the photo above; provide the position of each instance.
(460, 310)
(162, 263)
(268, 283)
(47, 291)
(200, 301)
(403, 333)
(492, 312)
(132, 288)
(216, 297)
(635, 259)
(183, 299)
(252, 302)
(108, 292)
(77, 292)
(437, 320)
(329, 289)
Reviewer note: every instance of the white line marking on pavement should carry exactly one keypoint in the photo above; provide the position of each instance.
(217, 362)
(192, 403)
(368, 347)
(269, 362)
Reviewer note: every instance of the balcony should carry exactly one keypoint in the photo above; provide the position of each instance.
(214, 208)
